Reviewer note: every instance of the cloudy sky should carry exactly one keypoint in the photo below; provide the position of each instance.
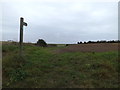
(58, 21)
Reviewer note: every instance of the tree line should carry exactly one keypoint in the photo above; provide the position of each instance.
(102, 41)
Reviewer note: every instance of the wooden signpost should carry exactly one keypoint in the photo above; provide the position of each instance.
(22, 23)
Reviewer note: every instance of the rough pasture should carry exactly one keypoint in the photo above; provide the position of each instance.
(42, 67)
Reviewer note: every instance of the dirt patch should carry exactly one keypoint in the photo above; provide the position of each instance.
(98, 47)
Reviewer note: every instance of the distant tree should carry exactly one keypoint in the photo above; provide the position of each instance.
(113, 41)
(118, 41)
(84, 42)
(98, 41)
(41, 43)
(78, 43)
(89, 42)
(103, 41)
(66, 44)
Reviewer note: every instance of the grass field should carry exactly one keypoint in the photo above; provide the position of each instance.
(46, 68)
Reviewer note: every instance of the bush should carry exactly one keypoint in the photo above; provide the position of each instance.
(41, 43)
(66, 44)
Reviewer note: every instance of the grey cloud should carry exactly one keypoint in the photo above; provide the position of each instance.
(59, 22)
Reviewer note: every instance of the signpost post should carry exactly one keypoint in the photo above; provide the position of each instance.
(22, 23)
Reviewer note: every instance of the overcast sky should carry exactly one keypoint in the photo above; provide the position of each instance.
(59, 21)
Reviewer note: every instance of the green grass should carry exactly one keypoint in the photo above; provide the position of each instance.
(41, 68)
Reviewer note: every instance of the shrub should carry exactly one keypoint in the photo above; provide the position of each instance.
(41, 43)
(66, 44)
(78, 43)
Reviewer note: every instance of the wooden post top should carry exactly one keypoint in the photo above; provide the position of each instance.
(21, 18)
(22, 21)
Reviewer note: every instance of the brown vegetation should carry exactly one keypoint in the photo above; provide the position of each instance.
(97, 47)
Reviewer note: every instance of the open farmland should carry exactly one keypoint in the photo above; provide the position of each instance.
(98, 47)
(74, 66)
